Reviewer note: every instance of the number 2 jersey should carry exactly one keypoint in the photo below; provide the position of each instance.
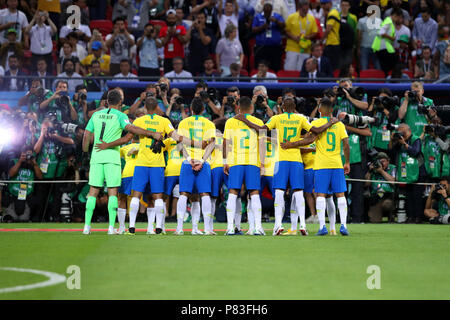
(328, 145)
(107, 125)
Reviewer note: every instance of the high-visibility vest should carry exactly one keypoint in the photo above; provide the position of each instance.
(377, 41)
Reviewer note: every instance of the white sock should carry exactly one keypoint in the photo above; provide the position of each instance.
(320, 209)
(294, 214)
(121, 214)
(213, 213)
(181, 210)
(164, 218)
(256, 210)
(342, 206)
(206, 211)
(195, 213)
(250, 216)
(159, 212)
(231, 209)
(151, 214)
(134, 208)
(279, 205)
(331, 211)
(300, 207)
(238, 214)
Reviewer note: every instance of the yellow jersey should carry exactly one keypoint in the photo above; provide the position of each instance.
(244, 142)
(289, 127)
(270, 158)
(175, 158)
(104, 62)
(308, 157)
(155, 123)
(298, 25)
(328, 145)
(216, 159)
(130, 160)
(197, 128)
(333, 37)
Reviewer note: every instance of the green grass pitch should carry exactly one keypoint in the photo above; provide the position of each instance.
(413, 262)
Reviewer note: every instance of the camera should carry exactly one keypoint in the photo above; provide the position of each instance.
(397, 136)
(435, 195)
(30, 156)
(260, 99)
(82, 96)
(204, 95)
(231, 100)
(40, 92)
(412, 96)
(355, 92)
(67, 128)
(153, 12)
(162, 87)
(354, 120)
(149, 95)
(64, 99)
(391, 126)
(389, 103)
(179, 101)
(440, 131)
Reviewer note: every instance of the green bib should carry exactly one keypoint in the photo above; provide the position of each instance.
(379, 187)
(408, 167)
(432, 155)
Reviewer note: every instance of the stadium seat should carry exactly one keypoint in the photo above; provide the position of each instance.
(104, 26)
(288, 74)
(160, 23)
(372, 73)
(244, 73)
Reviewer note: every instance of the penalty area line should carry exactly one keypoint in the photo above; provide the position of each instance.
(53, 279)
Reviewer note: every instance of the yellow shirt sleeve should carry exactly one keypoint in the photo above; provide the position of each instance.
(305, 124)
(272, 123)
(168, 127)
(343, 132)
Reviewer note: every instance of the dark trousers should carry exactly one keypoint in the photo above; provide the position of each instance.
(334, 54)
(356, 193)
(346, 58)
(387, 60)
(414, 200)
(43, 211)
(271, 54)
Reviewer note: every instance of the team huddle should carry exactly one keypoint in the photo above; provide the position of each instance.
(286, 153)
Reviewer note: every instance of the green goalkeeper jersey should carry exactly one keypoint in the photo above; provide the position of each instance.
(107, 125)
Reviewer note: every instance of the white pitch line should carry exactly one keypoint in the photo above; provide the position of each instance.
(53, 278)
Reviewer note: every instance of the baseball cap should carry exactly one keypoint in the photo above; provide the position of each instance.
(96, 45)
(171, 11)
(11, 30)
(404, 38)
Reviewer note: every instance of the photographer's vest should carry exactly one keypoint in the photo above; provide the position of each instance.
(446, 163)
(48, 160)
(432, 155)
(443, 208)
(413, 118)
(376, 45)
(408, 167)
(22, 190)
(381, 188)
(380, 134)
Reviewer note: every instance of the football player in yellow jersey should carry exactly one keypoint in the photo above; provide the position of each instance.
(244, 153)
(195, 174)
(289, 167)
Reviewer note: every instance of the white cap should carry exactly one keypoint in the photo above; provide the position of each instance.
(171, 11)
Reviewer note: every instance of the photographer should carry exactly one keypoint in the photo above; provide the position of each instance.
(410, 169)
(159, 91)
(434, 148)
(438, 203)
(263, 105)
(33, 98)
(80, 103)
(60, 103)
(148, 54)
(212, 108)
(381, 194)
(25, 169)
(354, 101)
(91, 83)
(177, 108)
(415, 108)
(229, 107)
(385, 108)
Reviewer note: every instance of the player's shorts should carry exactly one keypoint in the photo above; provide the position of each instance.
(309, 180)
(329, 181)
(195, 182)
(152, 176)
(288, 172)
(218, 178)
(248, 173)
(125, 187)
(169, 183)
(267, 181)
(99, 172)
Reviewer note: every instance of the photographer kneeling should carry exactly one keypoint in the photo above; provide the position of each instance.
(437, 207)
(382, 194)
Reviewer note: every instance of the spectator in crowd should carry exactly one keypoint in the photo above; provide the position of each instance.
(125, 73)
(397, 4)
(208, 69)
(83, 32)
(148, 54)
(410, 169)
(425, 67)
(200, 39)
(311, 70)
(409, 110)
(177, 108)
(381, 194)
(263, 73)
(59, 103)
(11, 17)
(331, 35)
(68, 55)
(324, 65)
(366, 35)
(14, 84)
(95, 84)
(120, 43)
(98, 55)
(229, 50)
(235, 73)
(43, 74)
(73, 78)
(40, 36)
(172, 38)
(438, 202)
(403, 53)
(77, 49)
(268, 27)
(443, 57)
(383, 44)
(347, 34)
(282, 7)
(228, 16)
(10, 47)
(180, 19)
(400, 30)
(425, 31)
(300, 28)
(97, 36)
(208, 7)
(264, 107)
(136, 13)
(178, 72)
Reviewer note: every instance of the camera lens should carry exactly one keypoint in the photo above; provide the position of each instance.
(179, 100)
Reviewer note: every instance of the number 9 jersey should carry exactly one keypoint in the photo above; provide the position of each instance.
(328, 145)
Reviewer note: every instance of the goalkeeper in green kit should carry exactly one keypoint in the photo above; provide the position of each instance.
(107, 125)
